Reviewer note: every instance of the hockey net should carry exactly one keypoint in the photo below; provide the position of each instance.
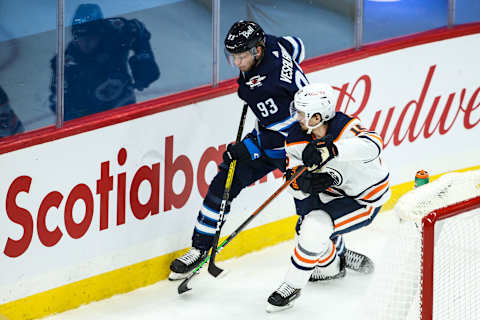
(431, 265)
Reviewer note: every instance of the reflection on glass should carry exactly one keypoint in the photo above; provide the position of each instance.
(467, 11)
(181, 40)
(9, 122)
(106, 62)
(387, 19)
(324, 26)
(27, 40)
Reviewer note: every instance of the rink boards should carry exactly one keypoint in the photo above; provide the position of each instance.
(103, 211)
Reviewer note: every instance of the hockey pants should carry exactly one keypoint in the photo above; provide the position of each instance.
(246, 173)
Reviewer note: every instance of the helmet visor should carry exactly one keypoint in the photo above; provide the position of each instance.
(237, 59)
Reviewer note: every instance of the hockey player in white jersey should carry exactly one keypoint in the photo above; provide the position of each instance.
(343, 190)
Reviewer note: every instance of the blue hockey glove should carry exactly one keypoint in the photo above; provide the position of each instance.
(319, 152)
(243, 151)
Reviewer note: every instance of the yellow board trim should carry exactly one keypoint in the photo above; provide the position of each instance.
(148, 272)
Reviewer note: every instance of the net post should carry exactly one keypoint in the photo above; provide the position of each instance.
(428, 242)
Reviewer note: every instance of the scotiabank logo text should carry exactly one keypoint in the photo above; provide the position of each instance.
(424, 114)
(96, 200)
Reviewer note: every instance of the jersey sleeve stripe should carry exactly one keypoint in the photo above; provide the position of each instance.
(377, 198)
(281, 125)
(295, 143)
(386, 179)
(376, 190)
(288, 126)
(302, 51)
(294, 46)
(376, 136)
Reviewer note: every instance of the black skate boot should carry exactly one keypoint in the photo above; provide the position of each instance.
(359, 262)
(183, 265)
(319, 273)
(282, 298)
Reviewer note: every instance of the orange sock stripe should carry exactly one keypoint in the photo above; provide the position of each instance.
(304, 260)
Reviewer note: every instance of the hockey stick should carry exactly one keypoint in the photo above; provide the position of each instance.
(183, 287)
(212, 268)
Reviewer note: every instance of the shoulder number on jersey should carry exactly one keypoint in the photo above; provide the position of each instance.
(357, 129)
(267, 108)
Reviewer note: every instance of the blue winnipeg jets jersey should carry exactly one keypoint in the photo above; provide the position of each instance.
(269, 88)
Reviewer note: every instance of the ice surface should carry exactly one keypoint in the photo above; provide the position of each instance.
(243, 292)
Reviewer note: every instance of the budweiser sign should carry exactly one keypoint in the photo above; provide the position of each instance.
(416, 118)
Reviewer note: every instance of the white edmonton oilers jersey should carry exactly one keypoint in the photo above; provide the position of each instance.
(357, 170)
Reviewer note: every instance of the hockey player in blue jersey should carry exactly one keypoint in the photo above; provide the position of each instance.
(270, 76)
(343, 190)
(106, 61)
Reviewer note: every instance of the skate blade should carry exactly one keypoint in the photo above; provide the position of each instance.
(173, 276)
(271, 308)
(338, 276)
(224, 273)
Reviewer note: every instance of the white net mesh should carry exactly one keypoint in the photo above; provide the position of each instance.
(396, 286)
(457, 268)
(450, 188)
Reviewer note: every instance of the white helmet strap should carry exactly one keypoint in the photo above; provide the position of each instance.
(310, 128)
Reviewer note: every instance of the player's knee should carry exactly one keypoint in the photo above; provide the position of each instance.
(315, 231)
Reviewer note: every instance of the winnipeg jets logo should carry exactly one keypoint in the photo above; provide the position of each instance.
(255, 81)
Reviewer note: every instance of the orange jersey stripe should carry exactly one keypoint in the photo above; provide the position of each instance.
(376, 190)
(304, 259)
(361, 215)
(376, 137)
(294, 143)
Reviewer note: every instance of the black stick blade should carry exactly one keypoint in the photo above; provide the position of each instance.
(183, 287)
(214, 270)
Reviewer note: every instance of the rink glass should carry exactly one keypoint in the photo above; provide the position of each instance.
(182, 38)
(27, 43)
(324, 26)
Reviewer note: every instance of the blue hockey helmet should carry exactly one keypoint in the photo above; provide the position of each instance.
(85, 18)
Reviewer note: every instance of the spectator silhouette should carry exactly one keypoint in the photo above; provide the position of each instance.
(97, 77)
(9, 123)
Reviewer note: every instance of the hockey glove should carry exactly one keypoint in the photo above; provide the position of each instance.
(310, 182)
(144, 70)
(318, 152)
(243, 151)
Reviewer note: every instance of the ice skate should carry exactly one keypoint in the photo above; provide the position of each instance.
(323, 274)
(359, 262)
(182, 266)
(282, 298)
